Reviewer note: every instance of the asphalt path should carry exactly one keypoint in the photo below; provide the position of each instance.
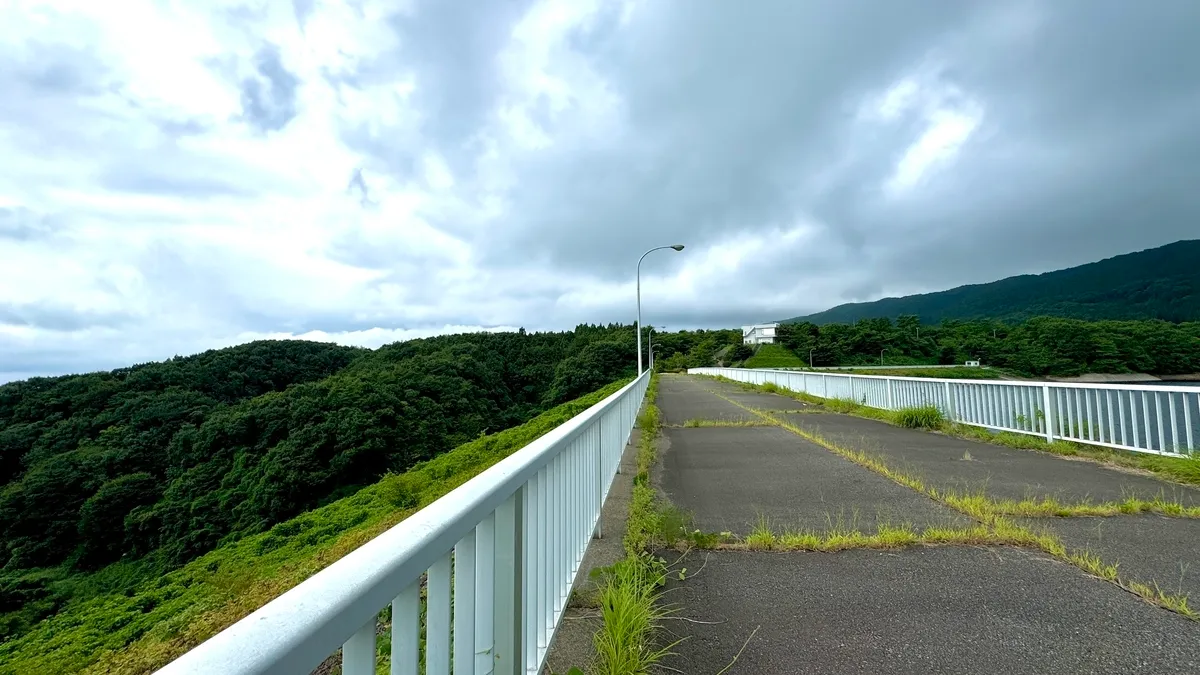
(921, 609)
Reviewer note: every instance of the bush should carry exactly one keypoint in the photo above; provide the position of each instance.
(738, 353)
(922, 417)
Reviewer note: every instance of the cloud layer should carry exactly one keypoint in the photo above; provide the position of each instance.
(187, 175)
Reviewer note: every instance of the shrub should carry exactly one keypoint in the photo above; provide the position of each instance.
(921, 417)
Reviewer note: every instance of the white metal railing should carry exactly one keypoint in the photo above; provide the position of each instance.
(498, 556)
(1141, 418)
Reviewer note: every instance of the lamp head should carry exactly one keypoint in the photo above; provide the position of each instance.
(678, 247)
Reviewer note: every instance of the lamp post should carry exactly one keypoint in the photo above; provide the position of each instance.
(650, 347)
(881, 351)
(677, 247)
(810, 360)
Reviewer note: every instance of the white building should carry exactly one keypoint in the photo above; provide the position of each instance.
(759, 334)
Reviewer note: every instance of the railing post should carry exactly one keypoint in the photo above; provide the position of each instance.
(485, 585)
(465, 560)
(509, 604)
(358, 653)
(1049, 414)
(949, 404)
(889, 400)
(599, 534)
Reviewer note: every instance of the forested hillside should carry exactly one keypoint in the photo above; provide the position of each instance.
(127, 621)
(1160, 283)
(1043, 346)
(692, 348)
(163, 462)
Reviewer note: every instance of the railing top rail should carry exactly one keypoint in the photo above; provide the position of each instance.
(1016, 383)
(296, 631)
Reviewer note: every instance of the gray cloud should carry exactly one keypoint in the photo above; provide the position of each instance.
(1085, 141)
(303, 9)
(153, 175)
(21, 224)
(269, 99)
(58, 318)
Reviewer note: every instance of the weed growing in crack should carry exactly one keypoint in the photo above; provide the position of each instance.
(761, 538)
(693, 423)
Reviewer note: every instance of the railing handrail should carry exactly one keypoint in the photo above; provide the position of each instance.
(1019, 383)
(303, 626)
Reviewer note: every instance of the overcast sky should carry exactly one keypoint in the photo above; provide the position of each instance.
(177, 176)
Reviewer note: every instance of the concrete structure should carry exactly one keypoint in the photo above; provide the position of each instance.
(759, 334)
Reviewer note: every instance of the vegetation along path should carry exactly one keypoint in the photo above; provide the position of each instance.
(822, 542)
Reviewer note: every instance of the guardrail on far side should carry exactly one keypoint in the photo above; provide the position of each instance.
(1162, 420)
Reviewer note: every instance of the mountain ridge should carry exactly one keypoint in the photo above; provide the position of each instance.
(1156, 283)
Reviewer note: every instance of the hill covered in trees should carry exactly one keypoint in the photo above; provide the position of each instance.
(1042, 346)
(1160, 283)
(126, 621)
(146, 468)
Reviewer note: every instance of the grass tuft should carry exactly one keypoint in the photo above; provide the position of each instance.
(632, 613)
(920, 417)
(631, 608)
(761, 538)
(692, 423)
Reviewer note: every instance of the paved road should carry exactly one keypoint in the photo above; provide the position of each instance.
(920, 610)
(730, 477)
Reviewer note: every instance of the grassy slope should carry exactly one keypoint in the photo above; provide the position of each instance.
(774, 356)
(144, 629)
(948, 373)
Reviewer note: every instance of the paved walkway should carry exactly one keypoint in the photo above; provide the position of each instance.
(916, 610)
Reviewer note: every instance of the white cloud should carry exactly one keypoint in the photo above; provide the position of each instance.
(947, 132)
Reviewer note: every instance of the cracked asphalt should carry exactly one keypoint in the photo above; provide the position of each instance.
(916, 610)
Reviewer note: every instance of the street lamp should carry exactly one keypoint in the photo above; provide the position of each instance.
(677, 247)
(650, 347)
(881, 351)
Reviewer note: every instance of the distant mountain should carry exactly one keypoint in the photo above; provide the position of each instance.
(1158, 283)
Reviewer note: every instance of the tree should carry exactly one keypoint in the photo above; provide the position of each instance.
(102, 516)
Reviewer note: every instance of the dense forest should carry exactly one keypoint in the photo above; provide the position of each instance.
(693, 348)
(165, 461)
(1043, 346)
(1160, 283)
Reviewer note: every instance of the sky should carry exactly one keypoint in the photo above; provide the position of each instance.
(186, 175)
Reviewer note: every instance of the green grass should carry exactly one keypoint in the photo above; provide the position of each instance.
(920, 417)
(692, 423)
(764, 538)
(956, 373)
(632, 614)
(141, 628)
(774, 356)
(627, 642)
